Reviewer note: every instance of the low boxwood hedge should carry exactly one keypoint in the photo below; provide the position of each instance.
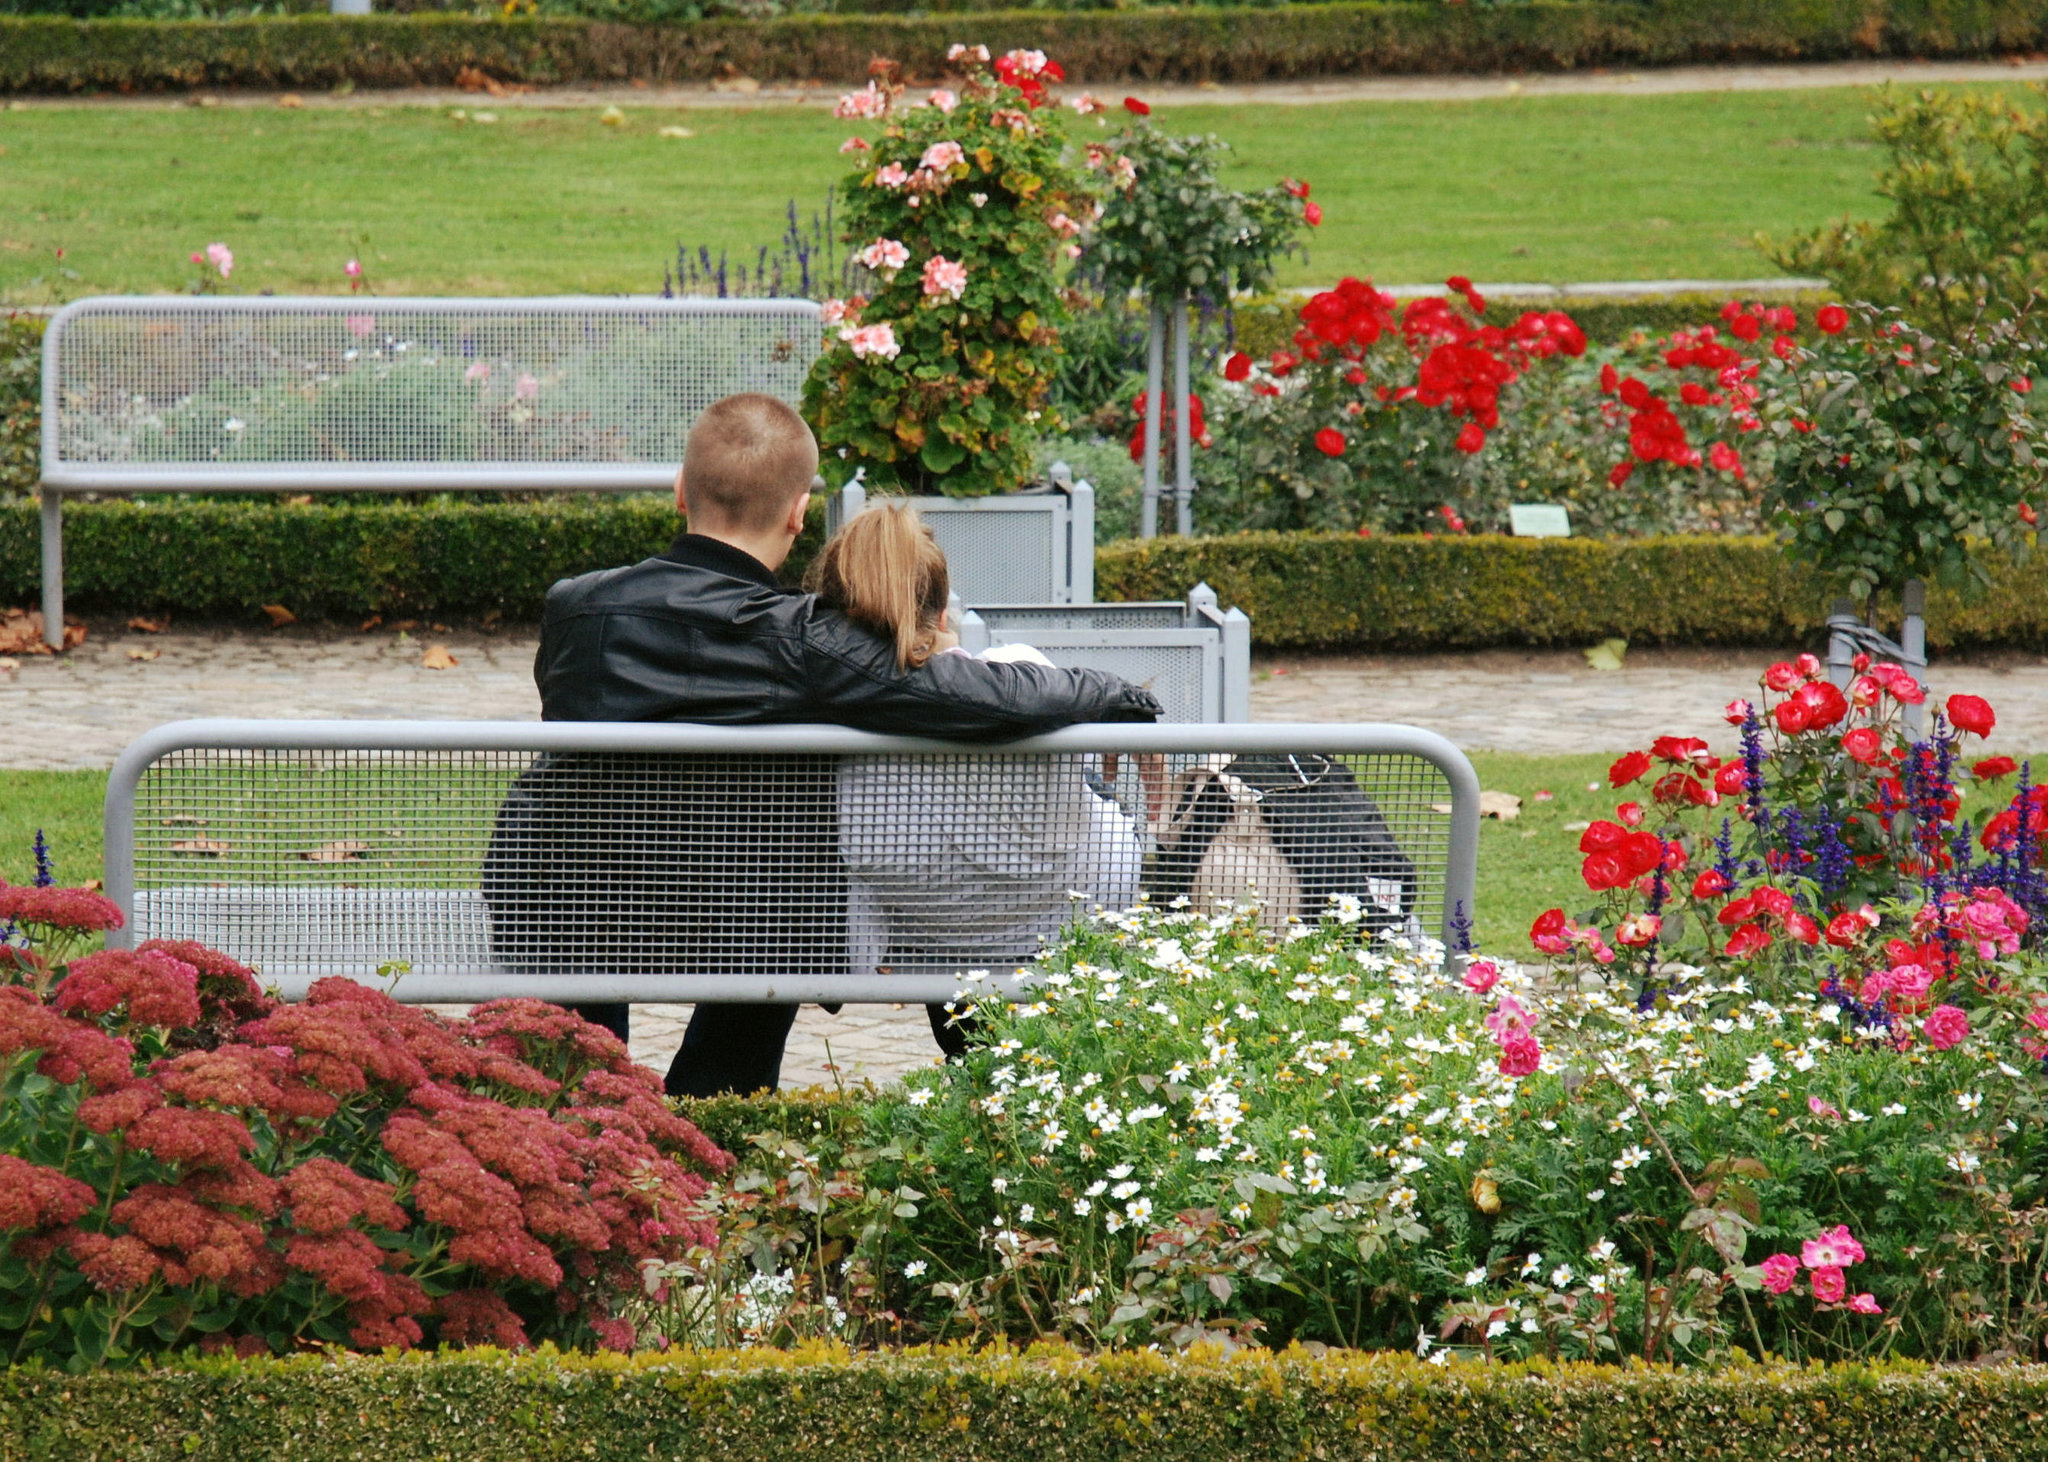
(342, 557)
(734, 1406)
(1224, 43)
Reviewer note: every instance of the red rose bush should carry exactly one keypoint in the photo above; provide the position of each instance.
(185, 1161)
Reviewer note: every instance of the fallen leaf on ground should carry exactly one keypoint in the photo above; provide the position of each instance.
(150, 626)
(405, 625)
(1504, 805)
(1575, 827)
(1606, 655)
(291, 101)
(10, 665)
(372, 622)
(202, 848)
(21, 633)
(94, 884)
(1545, 796)
(612, 117)
(677, 132)
(141, 654)
(438, 658)
(440, 629)
(184, 819)
(340, 851)
(279, 615)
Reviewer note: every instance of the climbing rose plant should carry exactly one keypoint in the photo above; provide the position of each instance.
(185, 1161)
(962, 214)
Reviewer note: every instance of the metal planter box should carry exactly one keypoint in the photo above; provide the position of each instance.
(1021, 548)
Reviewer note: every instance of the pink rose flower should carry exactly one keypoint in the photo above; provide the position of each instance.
(1780, 1270)
(353, 269)
(1828, 1285)
(1833, 1249)
(1520, 1055)
(221, 257)
(1866, 1304)
(1945, 1026)
(1481, 975)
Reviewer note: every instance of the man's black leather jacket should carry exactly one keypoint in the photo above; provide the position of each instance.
(703, 632)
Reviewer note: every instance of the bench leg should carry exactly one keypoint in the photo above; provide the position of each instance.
(53, 568)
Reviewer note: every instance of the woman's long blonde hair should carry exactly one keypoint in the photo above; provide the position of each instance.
(886, 571)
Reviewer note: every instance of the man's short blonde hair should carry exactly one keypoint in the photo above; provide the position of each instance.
(748, 458)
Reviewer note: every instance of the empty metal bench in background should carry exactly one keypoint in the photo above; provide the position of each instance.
(255, 394)
(677, 863)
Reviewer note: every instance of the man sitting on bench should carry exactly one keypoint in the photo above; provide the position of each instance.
(719, 865)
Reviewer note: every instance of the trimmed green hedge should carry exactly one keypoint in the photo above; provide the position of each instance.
(1334, 591)
(343, 557)
(949, 1404)
(338, 557)
(56, 54)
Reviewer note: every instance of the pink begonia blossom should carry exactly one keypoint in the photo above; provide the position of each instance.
(854, 144)
(1866, 1304)
(943, 276)
(862, 104)
(1520, 1056)
(221, 257)
(943, 99)
(884, 254)
(1828, 1285)
(1993, 923)
(1481, 975)
(867, 340)
(942, 155)
(891, 176)
(362, 326)
(1064, 226)
(1780, 1270)
(479, 371)
(957, 51)
(526, 387)
(1945, 1026)
(1833, 1249)
(1028, 63)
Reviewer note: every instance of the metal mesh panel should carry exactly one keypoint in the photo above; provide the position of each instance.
(357, 388)
(1179, 674)
(1000, 556)
(473, 865)
(1021, 620)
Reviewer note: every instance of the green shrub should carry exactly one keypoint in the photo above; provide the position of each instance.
(1339, 592)
(21, 402)
(950, 1405)
(49, 53)
(339, 556)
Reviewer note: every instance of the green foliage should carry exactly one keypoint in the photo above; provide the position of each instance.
(930, 387)
(953, 1404)
(1236, 43)
(1338, 591)
(338, 555)
(1902, 454)
(1171, 229)
(1967, 176)
(21, 402)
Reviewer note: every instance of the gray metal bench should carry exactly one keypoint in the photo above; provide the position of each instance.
(671, 862)
(254, 394)
(1021, 548)
(1195, 656)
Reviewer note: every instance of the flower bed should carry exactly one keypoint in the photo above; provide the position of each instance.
(184, 1162)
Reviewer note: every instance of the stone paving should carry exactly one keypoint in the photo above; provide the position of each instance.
(78, 711)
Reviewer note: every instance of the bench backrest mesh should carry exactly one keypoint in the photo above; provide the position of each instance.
(682, 862)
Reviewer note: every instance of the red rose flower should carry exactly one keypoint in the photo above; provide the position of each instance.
(2027, 514)
(1863, 744)
(2022, 385)
(1471, 439)
(1630, 813)
(1791, 716)
(1619, 472)
(1832, 319)
(1602, 837)
(1783, 347)
(1802, 928)
(1728, 781)
(1312, 214)
(1295, 186)
(1603, 871)
(1330, 442)
(1747, 941)
(1136, 108)
(1971, 714)
(1825, 704)
(1737, 712)
(1238, 367)
(1710, 885)
(1994, 767)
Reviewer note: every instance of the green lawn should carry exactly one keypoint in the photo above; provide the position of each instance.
(1553, 188)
